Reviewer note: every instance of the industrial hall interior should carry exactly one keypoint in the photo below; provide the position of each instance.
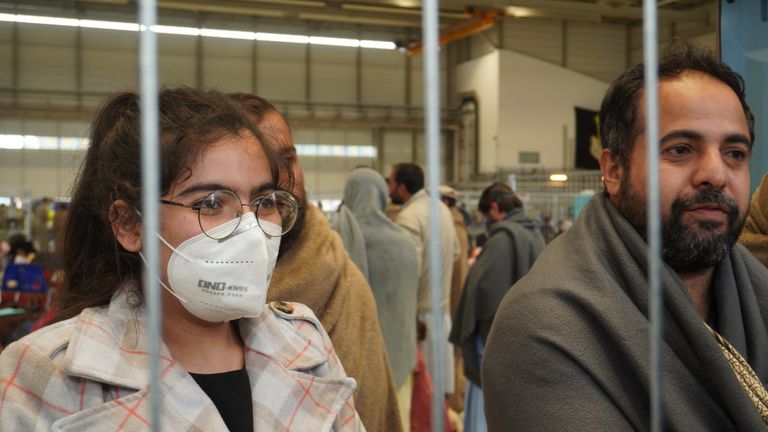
(383, 215)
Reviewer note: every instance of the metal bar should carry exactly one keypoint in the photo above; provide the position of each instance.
(15, 63)
(150, 195)
(308, 73)
(255, 67)
(199, 53)
(359, 76)
(437, 338)
(79, 66)
(650, 43)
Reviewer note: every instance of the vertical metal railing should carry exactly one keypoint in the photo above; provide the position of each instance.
(436, 335)
(150, 194)
(650, 47)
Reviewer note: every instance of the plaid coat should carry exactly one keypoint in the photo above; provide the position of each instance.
(90, 373)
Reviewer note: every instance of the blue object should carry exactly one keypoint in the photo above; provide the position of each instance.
(24, 279)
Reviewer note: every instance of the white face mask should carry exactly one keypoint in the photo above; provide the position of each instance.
(223, 280)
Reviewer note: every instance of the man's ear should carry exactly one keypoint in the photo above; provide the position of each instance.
(402, 191)
(612, 171)
(126, 225)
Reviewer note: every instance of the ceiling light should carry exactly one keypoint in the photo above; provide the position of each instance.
(108, 25)
(319, 40)
(184, 31)
(228, 34)
(192, 31)
(279, 37)
(377, 44)
(558, 177)
(520, 12)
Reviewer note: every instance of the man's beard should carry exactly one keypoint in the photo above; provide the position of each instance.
(289, 239)
(686, 248)
(396, 198)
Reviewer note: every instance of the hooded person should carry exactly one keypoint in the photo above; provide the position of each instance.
(392, 272)
(314, 268)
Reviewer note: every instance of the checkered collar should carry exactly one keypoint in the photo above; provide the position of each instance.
(111, 344)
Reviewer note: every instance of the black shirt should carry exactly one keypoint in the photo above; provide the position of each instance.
(231, 393)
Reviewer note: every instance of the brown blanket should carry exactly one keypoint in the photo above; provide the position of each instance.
(318, 272)
(755, 233)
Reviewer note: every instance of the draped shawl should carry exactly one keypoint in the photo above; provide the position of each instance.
(392, 267)
(569, 348)
(317, 271)
(352, 236)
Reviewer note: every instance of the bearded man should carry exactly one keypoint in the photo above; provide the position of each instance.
(569, 347)
(314, 268)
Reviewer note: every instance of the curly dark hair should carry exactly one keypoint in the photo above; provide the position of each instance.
(190, 120)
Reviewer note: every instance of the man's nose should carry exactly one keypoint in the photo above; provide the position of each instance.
(711, 170)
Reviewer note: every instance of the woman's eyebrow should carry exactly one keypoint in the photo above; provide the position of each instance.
(202, 187)
(262, 188)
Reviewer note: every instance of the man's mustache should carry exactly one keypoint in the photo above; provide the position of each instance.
(710, 198)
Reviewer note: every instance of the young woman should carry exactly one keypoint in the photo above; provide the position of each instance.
(228, 360)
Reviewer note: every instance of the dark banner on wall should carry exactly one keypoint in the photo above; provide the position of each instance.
(587, 139)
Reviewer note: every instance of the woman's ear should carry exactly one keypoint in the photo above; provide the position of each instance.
(612, 171)
(126, 225)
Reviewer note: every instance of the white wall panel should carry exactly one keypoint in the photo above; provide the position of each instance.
(281, 71)
(396, 148)
(700, 34)
(113, 40)
(482, 44)
(324, 177)
(333, 74)
(541, 39)
(417, 80)
(47, 57)
(383, 77)
(74, 129)
(227, 64)
(6, 64)
(176, 59)
(11, 172)
(6, 55)
(37, 172)
(40, 127)
(597, 50)
(106, 70)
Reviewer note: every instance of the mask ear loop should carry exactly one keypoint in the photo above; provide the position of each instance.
(161, 282)
(167, 288)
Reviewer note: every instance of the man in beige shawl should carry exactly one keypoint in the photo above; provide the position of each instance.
(314, 268)
(755, 233)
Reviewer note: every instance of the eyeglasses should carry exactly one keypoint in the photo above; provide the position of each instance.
(275, 212)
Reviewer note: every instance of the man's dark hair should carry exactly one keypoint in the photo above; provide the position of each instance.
(410, 175)
(619, 111)
(501, 194)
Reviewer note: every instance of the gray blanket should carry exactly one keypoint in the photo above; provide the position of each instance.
(569, 348)
(391, 265)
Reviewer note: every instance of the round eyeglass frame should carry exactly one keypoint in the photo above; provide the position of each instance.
(280, 196)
